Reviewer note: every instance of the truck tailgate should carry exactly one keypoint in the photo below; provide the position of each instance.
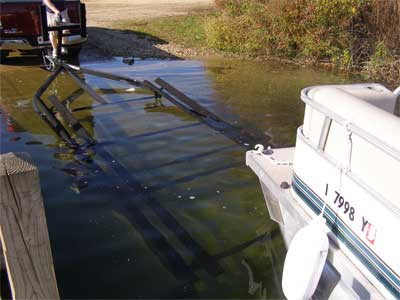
(20, 19)
(24, 19)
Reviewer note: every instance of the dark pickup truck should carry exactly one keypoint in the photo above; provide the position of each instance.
(23, 26)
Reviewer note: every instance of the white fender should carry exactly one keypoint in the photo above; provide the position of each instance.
(305, 260)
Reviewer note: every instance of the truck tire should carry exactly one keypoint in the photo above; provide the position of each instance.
(74, 51)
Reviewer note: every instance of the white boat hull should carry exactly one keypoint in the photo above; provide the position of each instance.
(346, 165)
(341, 279)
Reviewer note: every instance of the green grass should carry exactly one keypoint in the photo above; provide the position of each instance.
(185, 30)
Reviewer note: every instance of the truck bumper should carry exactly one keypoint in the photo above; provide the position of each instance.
(24, 45)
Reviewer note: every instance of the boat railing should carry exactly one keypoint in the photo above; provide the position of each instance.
(353, 128)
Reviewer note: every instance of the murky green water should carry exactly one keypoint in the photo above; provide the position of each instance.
(162, 207)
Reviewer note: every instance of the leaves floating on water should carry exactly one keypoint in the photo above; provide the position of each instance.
(79, 185)
(75, 189)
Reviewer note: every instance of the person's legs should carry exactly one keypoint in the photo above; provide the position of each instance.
(54, 42)
(53, 36)
(51, 21)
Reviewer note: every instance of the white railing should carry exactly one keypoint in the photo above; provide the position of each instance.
(382, 145)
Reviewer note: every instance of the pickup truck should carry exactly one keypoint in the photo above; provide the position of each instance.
(23, 27)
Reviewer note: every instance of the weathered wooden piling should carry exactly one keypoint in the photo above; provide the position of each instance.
(23, 230)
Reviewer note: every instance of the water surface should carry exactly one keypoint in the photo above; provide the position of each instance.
(162, 206)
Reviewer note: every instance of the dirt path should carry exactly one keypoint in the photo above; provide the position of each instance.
(104, 12)
(105, 40)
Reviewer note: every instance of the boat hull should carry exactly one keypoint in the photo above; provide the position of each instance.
(341, 277)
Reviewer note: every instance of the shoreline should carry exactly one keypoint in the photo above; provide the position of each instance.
(136, 38)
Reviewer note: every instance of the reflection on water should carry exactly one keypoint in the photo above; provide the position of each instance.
(162, 206)
(264, 97)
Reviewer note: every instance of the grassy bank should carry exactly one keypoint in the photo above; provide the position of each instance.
(349, 35)
(186, 30)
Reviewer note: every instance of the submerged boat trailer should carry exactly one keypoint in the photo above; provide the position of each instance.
(56, 112)
(59, 116)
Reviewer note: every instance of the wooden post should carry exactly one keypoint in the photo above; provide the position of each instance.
(23, 230)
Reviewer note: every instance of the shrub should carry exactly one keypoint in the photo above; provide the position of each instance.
(232, 7)
(383, 65)
(347, 33)
(235, 34)
(307, 28)
(382, 21)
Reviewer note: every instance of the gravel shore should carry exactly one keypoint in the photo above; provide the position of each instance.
(107, 42)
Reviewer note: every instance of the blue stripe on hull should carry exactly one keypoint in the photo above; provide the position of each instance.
(369, 259)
